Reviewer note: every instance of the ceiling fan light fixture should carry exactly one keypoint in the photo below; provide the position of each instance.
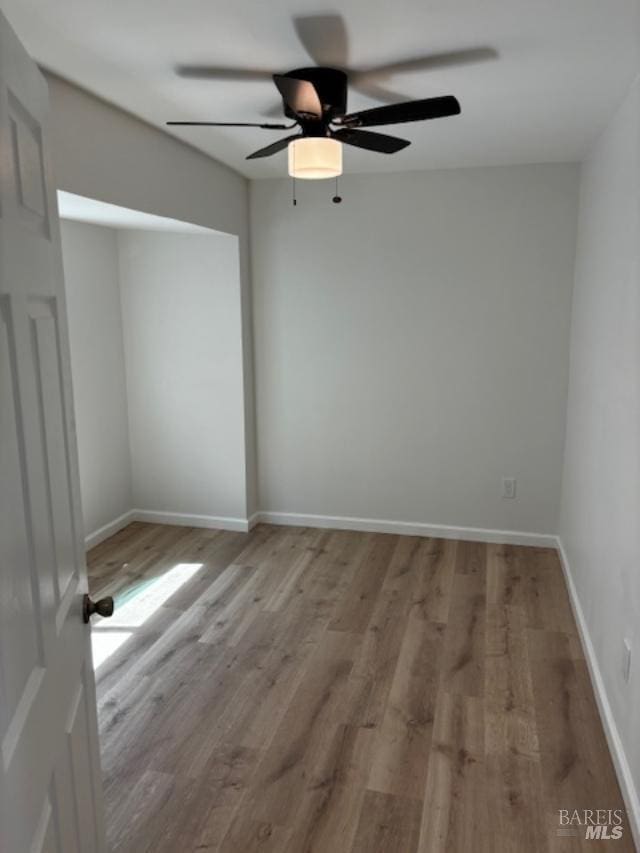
(315, 157)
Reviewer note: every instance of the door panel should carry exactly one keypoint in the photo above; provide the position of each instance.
(28, 166)
(19, 628)
(46, 358)
(46, 837)
(50, 786)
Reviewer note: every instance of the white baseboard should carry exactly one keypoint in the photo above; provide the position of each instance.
(336, 522)
(184, 520)
(108, 530)
(406, 528)
(616, 747)
(177, 518)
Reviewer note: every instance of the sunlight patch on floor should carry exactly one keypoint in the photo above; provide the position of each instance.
(133, 607)
(105, 643)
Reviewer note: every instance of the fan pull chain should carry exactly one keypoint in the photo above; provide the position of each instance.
(337, 198)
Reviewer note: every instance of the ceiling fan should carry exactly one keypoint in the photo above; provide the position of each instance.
(315, 98)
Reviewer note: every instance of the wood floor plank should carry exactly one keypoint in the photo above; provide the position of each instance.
(373, 671)
(464, 643)
(515, 803)
(433, 582)
(146, 800)
(326, 580)
(212, 683)
(388, 824)
(355, 609)
(456, 797)
(328, 811)
(319, 691)
(403, 741)
(275, 567)
(288, 586)
(471, 559)
(510, 722)
(216, 793)
(304, 733)
(255, 836)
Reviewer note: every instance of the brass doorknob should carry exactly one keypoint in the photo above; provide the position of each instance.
(103, 607)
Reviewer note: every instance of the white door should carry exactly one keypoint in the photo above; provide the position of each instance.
(50, 787)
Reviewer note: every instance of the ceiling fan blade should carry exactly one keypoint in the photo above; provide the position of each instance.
(214, 72)
(266, 126)
(268, 150)
(444, 59)
(371, 89)
(325, 39)
(273, 111)
(407, 111)
(371, 141)
(299, 95)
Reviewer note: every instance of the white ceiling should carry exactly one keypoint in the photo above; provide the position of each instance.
(562, 67)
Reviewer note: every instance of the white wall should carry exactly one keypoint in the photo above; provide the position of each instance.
(97, 363)
(600, 510)
(156, 353)
(182, 332)
(104, 153)
(412, 344)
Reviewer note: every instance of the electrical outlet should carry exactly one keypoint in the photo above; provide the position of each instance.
(508, 487)
(626, 659)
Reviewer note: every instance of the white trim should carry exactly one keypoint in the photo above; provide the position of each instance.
(336, 522)
(407, 528)
(185, 520)
(179, 519)
(102, 533)
(616, 747)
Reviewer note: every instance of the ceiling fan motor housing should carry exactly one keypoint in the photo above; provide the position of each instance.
(331, 86)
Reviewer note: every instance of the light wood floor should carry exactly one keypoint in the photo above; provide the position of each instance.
(343, 692)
